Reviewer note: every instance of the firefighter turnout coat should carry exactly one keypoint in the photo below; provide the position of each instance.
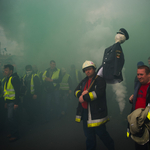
(96, 98)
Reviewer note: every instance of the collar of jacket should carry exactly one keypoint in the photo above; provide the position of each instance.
(86, 79)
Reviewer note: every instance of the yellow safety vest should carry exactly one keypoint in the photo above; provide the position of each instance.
(54, 76)
(64, 83)
(9, 92)
(32, 82)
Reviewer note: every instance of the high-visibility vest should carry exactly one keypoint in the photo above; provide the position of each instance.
(64, 83)
(54, 76)
(32, 82)
(9, 92)
(77, 77)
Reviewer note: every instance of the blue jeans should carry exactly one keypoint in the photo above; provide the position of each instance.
(52, 104)
(91, 132)
(12, 119)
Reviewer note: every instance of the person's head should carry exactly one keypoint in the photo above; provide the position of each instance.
(143, 74)
(8, 70)
(52, 64)
(149, 61)
(89, 68)
(140, 63)
(28, 69)
(121, 36)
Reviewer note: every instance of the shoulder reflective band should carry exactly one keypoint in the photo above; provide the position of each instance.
(92, 95)
(77, 92)
(148, 115)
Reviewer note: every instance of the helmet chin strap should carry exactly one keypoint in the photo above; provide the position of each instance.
(120, 38)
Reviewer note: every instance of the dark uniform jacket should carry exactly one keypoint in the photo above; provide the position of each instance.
(113, 61)
(96, 98)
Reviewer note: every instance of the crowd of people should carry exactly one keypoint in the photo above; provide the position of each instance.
(57, 87)
(36, 95)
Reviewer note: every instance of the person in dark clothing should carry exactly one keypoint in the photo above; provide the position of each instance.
(141, 97)
(51, 79)
(113, 59)
(31, 83)
(11, 97)
(92, 108)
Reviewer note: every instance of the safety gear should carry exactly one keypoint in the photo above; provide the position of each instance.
(54, 76)
(32, 82)
(28, 73)
(87, 64)
(9, 92)
(64, 83)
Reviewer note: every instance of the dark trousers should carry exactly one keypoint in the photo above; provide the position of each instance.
(12, 119)
(29, 105)
(91, 133)
(53, 105)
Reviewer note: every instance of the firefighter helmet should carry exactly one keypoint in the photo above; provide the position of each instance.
(87, 64)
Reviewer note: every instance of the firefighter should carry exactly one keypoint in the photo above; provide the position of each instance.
(31, 82)
(65, 90)
(11, 97)
(92, 107)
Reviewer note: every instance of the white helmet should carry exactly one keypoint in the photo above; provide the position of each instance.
(87, 64)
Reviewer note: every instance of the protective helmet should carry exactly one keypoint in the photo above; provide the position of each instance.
(87, 64)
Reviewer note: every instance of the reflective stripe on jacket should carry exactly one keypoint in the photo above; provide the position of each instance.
(9, 92)
(64, 83)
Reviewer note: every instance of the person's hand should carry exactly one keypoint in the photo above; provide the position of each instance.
(131, 98)
(85, 92)
(48, 79)
(5, 106)
(81, 100)
(34, 96)
(15, 106)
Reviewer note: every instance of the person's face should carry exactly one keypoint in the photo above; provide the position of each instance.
(52, 65)
(90, 72)
(142, 76)
(7, 72)
(149, 62)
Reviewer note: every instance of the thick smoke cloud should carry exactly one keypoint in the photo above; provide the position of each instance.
(72, 31)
